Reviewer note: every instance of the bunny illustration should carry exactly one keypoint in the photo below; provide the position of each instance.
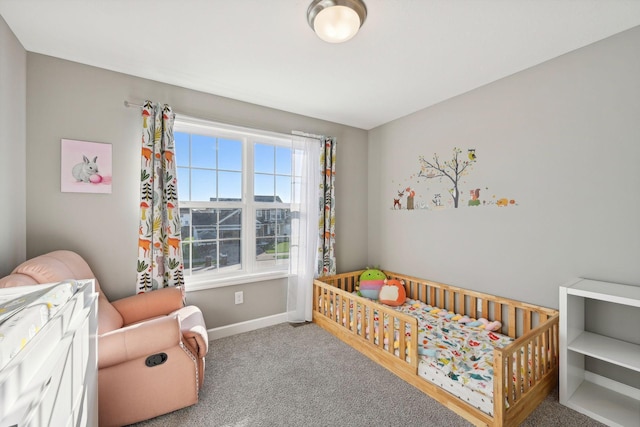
(83, 171)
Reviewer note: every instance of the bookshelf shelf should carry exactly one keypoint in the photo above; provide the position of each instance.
(599, 397)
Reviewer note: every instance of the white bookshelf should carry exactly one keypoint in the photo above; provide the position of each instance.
(599, 397)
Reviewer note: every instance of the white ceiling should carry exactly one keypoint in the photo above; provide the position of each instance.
(409, 54)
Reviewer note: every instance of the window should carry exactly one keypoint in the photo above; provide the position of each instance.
(234, 188)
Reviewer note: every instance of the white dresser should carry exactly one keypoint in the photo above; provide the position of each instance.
(53, 381)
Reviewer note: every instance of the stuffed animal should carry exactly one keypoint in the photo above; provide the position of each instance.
(483, 323)
(393, 292)
(371, 280)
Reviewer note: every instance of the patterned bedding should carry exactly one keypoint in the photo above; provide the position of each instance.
(456, 357)
(24, 311)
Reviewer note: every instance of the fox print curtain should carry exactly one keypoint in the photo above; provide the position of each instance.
(159, 241)
(327, 223)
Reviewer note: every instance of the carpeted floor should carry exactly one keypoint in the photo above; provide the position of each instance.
(303, 376)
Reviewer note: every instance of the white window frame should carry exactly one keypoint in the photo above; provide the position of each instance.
(248, 270)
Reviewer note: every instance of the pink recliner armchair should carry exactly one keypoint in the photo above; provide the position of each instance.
(151, 348)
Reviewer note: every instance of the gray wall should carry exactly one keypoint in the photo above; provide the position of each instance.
(74, 101)
(13, 68)
(561, 139)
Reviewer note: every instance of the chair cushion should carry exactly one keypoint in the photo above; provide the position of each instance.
(62, 265)
(46, 269)
(17, 279)
(108, 317)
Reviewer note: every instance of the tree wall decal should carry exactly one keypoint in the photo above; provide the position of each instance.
(452, 169)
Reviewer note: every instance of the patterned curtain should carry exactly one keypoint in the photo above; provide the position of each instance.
(327, 222)
(159, 243)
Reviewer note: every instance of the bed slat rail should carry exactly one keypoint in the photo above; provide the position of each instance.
(528, 366)
(377, 325)
(517, 317)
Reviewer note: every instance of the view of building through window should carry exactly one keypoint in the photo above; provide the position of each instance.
(222, 231)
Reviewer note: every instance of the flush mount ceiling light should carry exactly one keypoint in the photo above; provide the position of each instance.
(336, 21)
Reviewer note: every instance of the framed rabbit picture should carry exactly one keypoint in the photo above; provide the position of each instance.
(85, 167)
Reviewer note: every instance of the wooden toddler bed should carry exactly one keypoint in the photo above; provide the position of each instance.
(524, 367)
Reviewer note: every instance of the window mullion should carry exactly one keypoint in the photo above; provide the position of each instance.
(249, 228)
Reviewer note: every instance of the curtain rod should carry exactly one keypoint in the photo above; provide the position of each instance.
(293, 132)
(307, 135)
(207, 119)
(131, 104)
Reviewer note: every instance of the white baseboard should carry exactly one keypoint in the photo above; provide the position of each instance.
(249, 325)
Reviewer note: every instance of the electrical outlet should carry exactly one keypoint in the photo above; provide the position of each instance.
(479, 305)
(239, 297)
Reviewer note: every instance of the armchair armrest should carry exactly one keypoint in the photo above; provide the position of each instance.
(146, 306)
(139, 340)
(194, 330)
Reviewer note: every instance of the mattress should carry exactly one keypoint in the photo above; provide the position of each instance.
(25, 310)
(456, 357)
